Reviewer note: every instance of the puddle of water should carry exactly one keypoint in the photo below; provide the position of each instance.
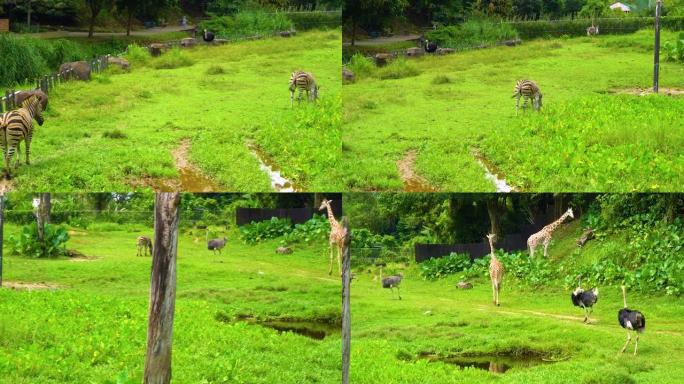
(311, 329)
(267, 165)
(412, 181)
(490, 363)
(492, 174)
(191, 179)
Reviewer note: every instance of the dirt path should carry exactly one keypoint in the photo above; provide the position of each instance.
(143, 32)
(648, 91)
(383, 40)
(20, 285)
(413, 182)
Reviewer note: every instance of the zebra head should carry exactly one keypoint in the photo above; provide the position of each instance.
(35, 108)
(539, 100)
(314, 92)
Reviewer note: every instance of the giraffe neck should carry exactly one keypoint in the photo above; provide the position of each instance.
(552, 227)
(331, 216)
(491, 248)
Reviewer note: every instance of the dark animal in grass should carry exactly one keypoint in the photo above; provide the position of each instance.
(584, 299)
(392, 282)
(21, 96)
(283, 250)
(79, 70)
(631, 320)
(430, 47)
(208, 36)
(217, 244)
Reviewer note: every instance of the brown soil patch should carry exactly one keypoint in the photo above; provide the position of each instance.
(5, 185)
(413, 182)
(20, 285)
(648, 91)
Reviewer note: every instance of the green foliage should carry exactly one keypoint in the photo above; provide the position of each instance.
(21, 60)
(258, 231)
(473, 33)
(315, 20)
(247, 23)
(215, 70)
(363, 238)
(361, 65)
(27, 244)
(578, 27)
(398, 69)
(437, 268)
(174, 58)
(315, 229)
(137, 55)
(674, 50)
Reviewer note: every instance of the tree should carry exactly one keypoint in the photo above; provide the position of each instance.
(95, 7)
(136, 8)
(2, 229)
(528, 9)
(594, 9)
(376, 11)
(162, 290)
(572, 7)
(43, 215)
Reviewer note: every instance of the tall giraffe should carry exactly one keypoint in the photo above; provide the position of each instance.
(544, 236)
(496, 270)
(337, 234)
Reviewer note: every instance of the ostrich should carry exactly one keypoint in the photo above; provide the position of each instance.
(391, 282)
(430, 47)
(208, 36)
(217, 244)
(584, 299)
(631, 320)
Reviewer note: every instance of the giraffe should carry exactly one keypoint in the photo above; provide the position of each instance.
(544, 236)
(496, 270)
(337, 234)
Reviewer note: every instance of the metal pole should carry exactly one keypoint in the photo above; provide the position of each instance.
(656, 48)
(346, 312)
(2, 226)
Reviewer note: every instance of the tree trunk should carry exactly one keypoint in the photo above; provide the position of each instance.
(2, 226)
(493, 212)
(353, 31)
(346, 310)
(130, 21)
(43, 216)
(28, 16)
(162, 290)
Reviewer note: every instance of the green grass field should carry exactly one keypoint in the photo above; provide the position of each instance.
(536, 334)
(92, 328)
(590, 135)
(124, 130)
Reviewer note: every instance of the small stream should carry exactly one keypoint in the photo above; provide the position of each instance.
(492, 174)
(278, 182)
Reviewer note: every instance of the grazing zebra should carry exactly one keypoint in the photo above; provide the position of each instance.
(528, 90)
(16, 126)
(144, 246)
(305, 82)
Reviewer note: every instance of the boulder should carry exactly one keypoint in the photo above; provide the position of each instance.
(157, 49)
(586, 236)
(80, 70)
(445, 51)
(123, 63)
(511, 43)
(381, 59)
(188, 42)
(20, 96)
(347, 75)
(220, 41)
(414, 52)
(286, 34)
(464, 285)
(283, 250)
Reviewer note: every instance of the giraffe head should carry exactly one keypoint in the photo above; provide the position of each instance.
(324, 204)
(570, 213)
(491, 237)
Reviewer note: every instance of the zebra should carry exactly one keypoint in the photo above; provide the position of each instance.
(528, 90)
(305, 82)
(144, 245)
(16, 126)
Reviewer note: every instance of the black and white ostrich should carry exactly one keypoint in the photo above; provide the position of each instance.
(208, 36)
(391, 282)
(584, 299)
(430, 47)
(631, 320)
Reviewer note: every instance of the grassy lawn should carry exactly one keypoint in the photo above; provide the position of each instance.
(590, 135)
(536, 334)
(120, 131)
(93, 327)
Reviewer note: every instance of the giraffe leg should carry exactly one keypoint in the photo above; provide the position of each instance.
(629, 338)
(497, 294)
(636, 344)
(546, 247)
(339, 258)
(331, 260)
(532, 251)
(493, 293)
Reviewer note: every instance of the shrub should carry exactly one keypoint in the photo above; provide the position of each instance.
(175, 58)
(215, 70)
(438, 268)
(674, 50)
(247, 23)
(441, 79)
(136, 54)
(578, 27)
(398, 69)
(472, 33)
(256, 232)
(361, 65)
(20, 60)
(315, 20)
(114, 134)
(315, 229)
(363, 238)
(27, 244)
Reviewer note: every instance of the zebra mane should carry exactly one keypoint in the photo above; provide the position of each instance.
(31, 104)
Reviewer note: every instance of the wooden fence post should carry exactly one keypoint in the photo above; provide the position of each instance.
(346, 311)
(2, 226)
(656, 48)
(162, 290)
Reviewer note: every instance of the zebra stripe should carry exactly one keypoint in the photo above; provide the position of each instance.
(528, 90)
(304, 82)
(144, 243)
(16, 126)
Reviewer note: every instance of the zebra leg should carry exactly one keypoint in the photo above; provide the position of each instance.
(300, 96)
(292, 92)
(28, 150)
(517, 103)
(18, 158)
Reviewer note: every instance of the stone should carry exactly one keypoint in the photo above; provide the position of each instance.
(80, 70)
(414, 52)
(464, 285)
(382, 59)
(348, 75)
(123, 63)
(283, 250)
(188, 42)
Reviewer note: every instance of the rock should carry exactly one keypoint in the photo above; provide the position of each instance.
(445, 51)
(511, 43)
(283, 250)
(157, 49)
(348, 76)
(220, 41)
(586, 236)
(123, 63)
(464, 285)
(80, 70)
(381, 59)
(286, 34)
(414, 52)
(188, 42)
(20, 96)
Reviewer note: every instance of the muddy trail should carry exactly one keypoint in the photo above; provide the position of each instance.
(278, 182)
(312, 329)
(491, 363)
(493, 174)
(413, 182)
(667, 91)
(191, 178)
(26, 286)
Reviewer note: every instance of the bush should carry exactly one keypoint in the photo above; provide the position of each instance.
(441, 79)
(247, 23)
(21, 60)
(361, 65)
(315, 20)
(315, 229)
(473, 33)
(363, 238)
(674, 50)
(215, 70)
(578, 27)
(398, 69)
(256, 232)
(136, 54)
(441, 267)
(175, 58)
(27, 244)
